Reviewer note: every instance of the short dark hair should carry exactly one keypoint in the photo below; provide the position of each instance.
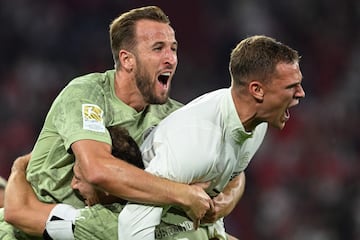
(257, 56)
(124, 146)
(122, 29)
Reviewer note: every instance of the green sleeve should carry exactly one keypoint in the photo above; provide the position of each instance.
(98, 222)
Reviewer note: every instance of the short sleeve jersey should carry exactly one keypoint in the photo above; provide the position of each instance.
(203, 141)
(83, 110)
(215, 148)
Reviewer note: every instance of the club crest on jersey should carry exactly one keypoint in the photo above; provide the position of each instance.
(93, 118)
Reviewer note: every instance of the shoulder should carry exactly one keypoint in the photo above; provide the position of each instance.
(172, 105)
(89, 84)
(165, 109)
(92, 78)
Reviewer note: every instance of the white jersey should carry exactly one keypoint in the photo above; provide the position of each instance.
(202, 141)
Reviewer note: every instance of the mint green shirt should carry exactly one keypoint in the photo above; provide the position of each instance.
(83, 110)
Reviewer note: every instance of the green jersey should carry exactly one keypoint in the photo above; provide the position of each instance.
(101, 222)
(83, 110)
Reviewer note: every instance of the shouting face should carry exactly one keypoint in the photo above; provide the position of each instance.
(282, 93)
(156, 60)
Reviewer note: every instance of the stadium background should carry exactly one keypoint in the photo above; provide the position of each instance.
(304, 182)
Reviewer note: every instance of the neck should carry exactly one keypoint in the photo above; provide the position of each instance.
(127, 91)
(246, 109)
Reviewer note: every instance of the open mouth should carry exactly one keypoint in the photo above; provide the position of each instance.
(164, 79)
(286, 115)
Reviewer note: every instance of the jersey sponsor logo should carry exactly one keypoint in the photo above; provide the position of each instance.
(93, 118)
(169, 230)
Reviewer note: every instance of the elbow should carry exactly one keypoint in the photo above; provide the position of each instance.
(96, 179)
(107, 176)
(96, 175)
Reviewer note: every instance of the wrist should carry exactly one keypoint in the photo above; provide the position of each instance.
(180, 195)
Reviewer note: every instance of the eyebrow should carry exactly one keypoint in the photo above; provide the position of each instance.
(163, 43)
(293, 84)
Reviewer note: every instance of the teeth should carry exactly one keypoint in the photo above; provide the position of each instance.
(166, 74)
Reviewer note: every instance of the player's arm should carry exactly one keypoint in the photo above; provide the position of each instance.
(22, 208)
(121, 179)
(24, 211)
(226, 201)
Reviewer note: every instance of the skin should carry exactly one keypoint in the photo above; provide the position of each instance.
(21, 201)
(282, 93)
(269, 102)
(226, 201)
(154, 54)
(27, 204)
(256, 102)
(138, 83)
(2, 191)
(148, 51)
(87, 192)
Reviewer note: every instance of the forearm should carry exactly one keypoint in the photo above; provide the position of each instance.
(226, 201)
(22, 208)
(121, 179)
(142, 187)
(134, 184)
(233, 192)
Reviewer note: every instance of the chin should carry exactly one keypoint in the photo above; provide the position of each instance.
(162, 100)
(278, 125)
(281, 125)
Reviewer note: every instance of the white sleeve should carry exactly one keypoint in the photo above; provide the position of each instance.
(137, 222)
(60, 223)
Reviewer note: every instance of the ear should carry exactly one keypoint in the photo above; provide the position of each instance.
(127, 60)
(256, 89)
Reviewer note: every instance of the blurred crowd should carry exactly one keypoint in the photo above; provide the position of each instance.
(305, 181)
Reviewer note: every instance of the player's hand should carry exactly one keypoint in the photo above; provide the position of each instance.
(199, 203)
(219, 210)
(225, 202)
(20, 163)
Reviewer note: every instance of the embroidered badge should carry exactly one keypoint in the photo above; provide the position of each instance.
(93, 118)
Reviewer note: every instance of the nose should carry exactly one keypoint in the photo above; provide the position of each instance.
(170, 57)
(74, 183)
(300, 93)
